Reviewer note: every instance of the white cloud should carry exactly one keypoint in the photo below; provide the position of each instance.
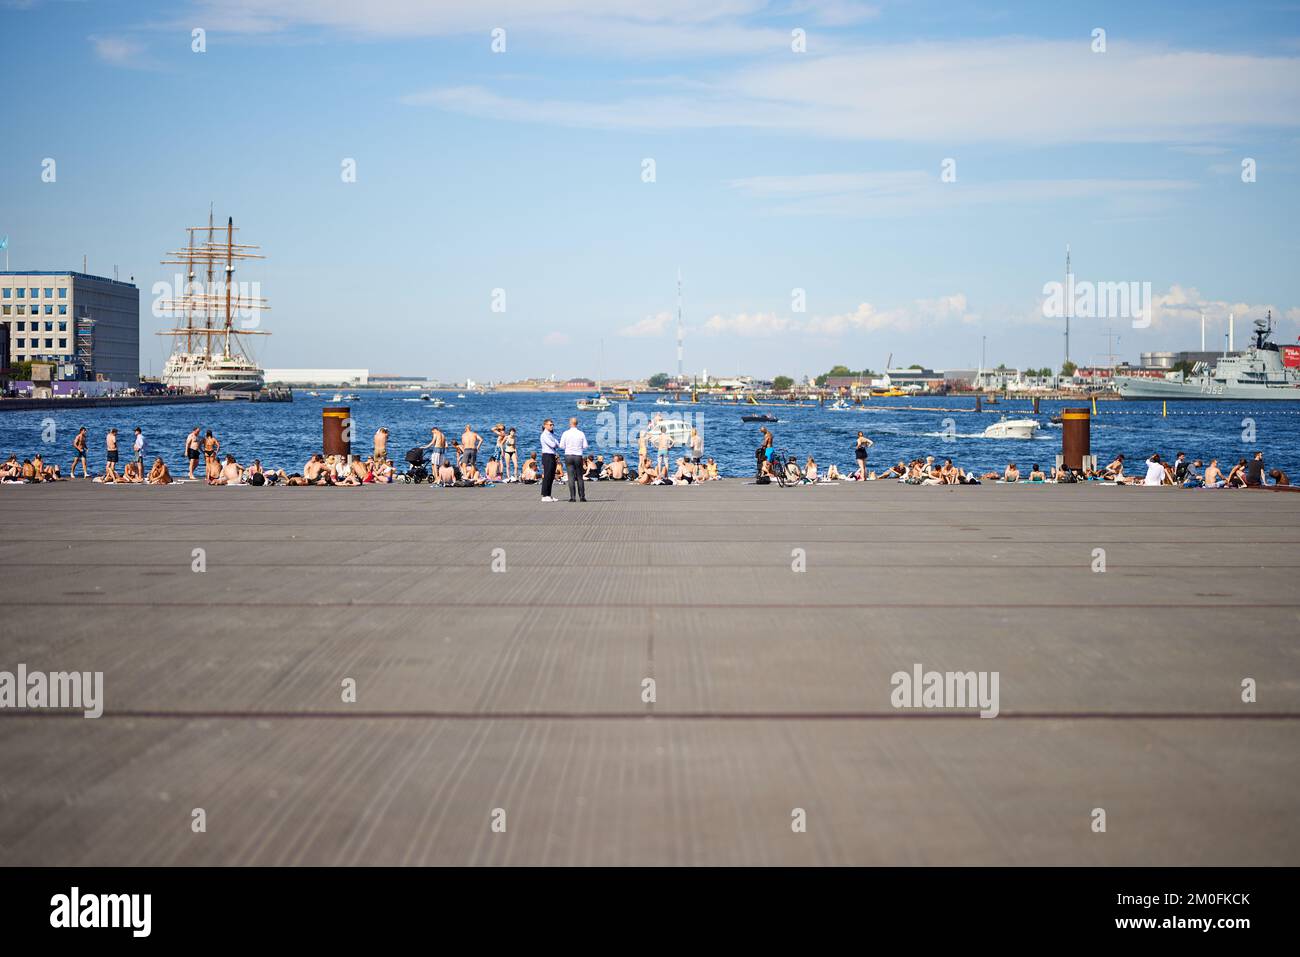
(897, 192)
(917, 315)
(120, 51)
(990, 90)
(648, 327)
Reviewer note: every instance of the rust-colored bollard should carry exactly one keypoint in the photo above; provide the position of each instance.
(1035, 405)
(336, 430)
(1076, 436)
(979, 402)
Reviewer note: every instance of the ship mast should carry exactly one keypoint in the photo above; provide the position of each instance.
(228, 301)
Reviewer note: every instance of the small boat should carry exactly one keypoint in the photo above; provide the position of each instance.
(316, 394)
(762, 417)
(352, 397)
(338, 397)
(676, 429)
(596, 403)
(460, 395)
(839, 405)
(1006, 428)
(662, 401)
(436, 402)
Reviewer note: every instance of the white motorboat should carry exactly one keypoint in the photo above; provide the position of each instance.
(839, 405)
(597, 403)
(1006, 428)
(676, 429)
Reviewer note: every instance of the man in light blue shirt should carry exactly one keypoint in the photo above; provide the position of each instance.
(550, 446)
(573, 443)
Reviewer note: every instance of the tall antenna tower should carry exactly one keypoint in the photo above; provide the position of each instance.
(679, 325)
(1069, 300)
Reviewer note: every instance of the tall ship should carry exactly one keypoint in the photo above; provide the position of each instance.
(1264, 371)
(213, 317)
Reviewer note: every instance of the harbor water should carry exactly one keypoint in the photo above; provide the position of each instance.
(283, 435)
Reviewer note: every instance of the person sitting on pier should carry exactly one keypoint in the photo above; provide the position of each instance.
(616, 470)
(446, 474)
(1213, 475)
(492, 471)
(1012, 474)
(1036, 474)
(1180, 468)
(253, 475)
(1237, 477)
(1115, 471)
(810, 470)
(529, 474)
(898, 471)
(132, 474)
(1255, 472)
(1192, 477)
(1279, 477)
(158, 474)
(316, 472)
(948, 473)
(646, 474)
(230, 473)
(832, 473)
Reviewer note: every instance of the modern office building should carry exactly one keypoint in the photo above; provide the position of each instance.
(87, 326)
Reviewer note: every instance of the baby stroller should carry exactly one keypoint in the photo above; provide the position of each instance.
(418, 471)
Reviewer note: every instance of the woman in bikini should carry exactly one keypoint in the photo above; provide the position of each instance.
(211, 464)
(510, 457)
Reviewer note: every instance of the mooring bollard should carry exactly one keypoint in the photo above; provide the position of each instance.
(336, 434)
(1076, 436)
(979, 403)
(1035, 405)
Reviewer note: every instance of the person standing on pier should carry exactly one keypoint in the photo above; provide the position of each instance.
(573, 443)
(138, 447)
(550, 446)
(469, 443)
(79, 454)
(860, 453)
(192, 450)
(110, 455)
(381, 444)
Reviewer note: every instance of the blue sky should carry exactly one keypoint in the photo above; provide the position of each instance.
(775, 171)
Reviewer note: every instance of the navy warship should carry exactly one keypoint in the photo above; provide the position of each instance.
(1264, 371)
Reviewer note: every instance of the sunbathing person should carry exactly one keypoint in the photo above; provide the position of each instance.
(492, 471)
(832, 473)
(316, 472)
(158, 474)
(131, 473)
(1012, 474)
(446, 474)
(529, 474)
(810, 470)
(1279, 477)
(229, 473)
(1036, 475)
(646, 475)
(1115, 470)
(616, 470)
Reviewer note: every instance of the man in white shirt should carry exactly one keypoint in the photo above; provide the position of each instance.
(573, 443)
(1155, 471)
(138, 447)
(550, 446)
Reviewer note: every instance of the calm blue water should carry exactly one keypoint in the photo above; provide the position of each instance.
(284, 434)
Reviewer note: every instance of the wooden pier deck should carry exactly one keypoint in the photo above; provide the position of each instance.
(518, 693)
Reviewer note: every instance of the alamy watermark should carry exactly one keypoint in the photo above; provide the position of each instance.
(82, 690)
(946, 689)
(1098, 300)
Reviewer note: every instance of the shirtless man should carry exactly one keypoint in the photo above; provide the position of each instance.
(381, 444)
(228, 474)
(529, 474)
(492, 471)
(192, 449)
(79, 454)
(1012, 474)
(110, 456)
(617, 469)
(315, 470)
(469, 443)
(446, 475)
(1213, 476)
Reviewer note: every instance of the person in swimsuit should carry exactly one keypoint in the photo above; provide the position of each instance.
(79, 454)
(211, 464)
(510, 457)
(110, 455)
(192, 449)
(860, 453)
(381, 444)
(158, 475)
(469, 443)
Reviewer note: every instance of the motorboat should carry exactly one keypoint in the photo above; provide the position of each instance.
(839, 405)
(676, 429)
(662, 401)
(595, 403)
(1006, 428)
(760, 417)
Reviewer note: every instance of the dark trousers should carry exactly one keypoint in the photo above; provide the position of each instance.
(573, 469)
(548, 473)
